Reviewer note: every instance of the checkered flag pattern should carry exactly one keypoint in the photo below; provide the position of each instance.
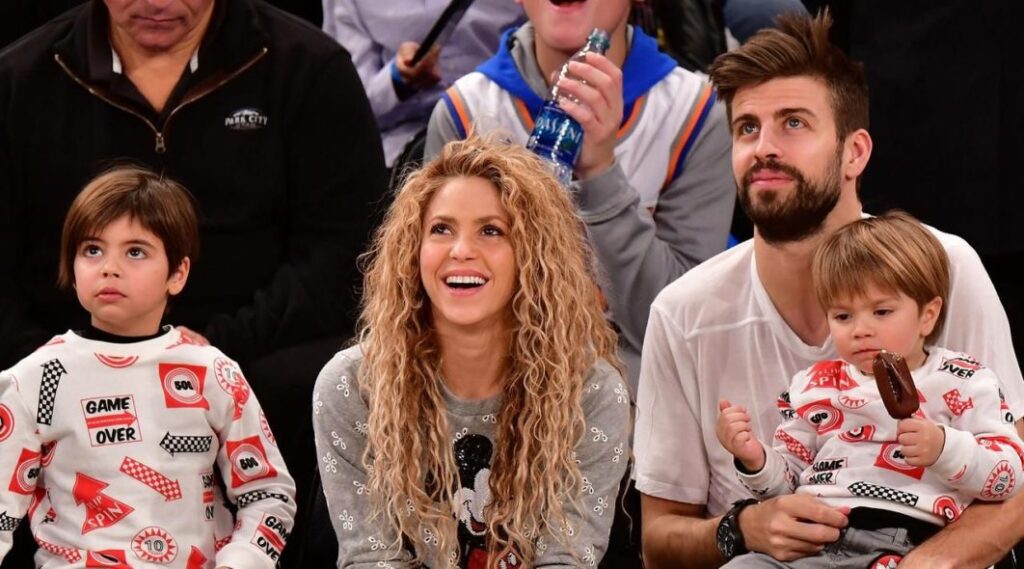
(257, 495)
(53, 370)
(182, 443)
(169, 489)
(7, 523)
(70, 554)
(882, 493)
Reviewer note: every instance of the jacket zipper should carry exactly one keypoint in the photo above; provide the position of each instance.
(160, 134)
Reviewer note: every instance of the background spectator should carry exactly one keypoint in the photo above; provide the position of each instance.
(383, 35)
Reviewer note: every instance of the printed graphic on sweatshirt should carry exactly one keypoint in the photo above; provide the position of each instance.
(48, 449)
(8, 523)
(868, 490)
(169, 489)
(38, 496)
(53, 371)
(830, 375)
(955, 402)
(101, 511)
(994, 443)
(6, 422)
(961, 366)
(208, 484)
(26, 472)
(154, 545)
(1000, 482)
(116, 558)
(822, 415)
(258, 495)
(183, 340)
(858, 434)
(231, 380)
(248, 461)
(265, 425)
(891, 458)
(174, 444)
(111, 420)
(270, 536)
(117, 362)
(852, 402)
(785, 406)
(196, 559)
(70, 554)
(825, 471)
(183, 385)
(887, 561)
(795, 447)
(1005, 409)
(945, 507)
(473, 454)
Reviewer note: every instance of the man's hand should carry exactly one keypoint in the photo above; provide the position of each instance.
(734, 432)
(425, 73)
(597, 85)
(921, 441)
(792, 526)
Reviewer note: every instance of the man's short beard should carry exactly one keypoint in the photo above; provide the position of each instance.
(802, 215)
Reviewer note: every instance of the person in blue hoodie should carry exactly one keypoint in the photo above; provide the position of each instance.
(653, 183)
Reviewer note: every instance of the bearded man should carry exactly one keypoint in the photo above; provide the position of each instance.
(741, 324)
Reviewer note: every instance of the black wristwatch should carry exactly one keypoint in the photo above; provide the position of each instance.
(729, 538)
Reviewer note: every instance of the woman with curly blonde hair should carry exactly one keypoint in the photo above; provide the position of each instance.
(481, 421)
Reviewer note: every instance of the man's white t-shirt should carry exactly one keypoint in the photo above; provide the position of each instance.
(715, 334)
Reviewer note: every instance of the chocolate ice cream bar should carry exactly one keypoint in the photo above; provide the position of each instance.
(895, 384)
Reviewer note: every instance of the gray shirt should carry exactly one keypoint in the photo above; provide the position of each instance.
(339, 418)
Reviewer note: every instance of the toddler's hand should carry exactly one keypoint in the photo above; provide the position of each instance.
(921, 439)
(734, 432)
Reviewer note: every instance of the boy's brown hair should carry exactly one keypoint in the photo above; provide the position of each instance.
(893, 252)
(158, 204)
(798, 46)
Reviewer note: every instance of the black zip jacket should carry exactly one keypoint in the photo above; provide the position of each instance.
(273, 134)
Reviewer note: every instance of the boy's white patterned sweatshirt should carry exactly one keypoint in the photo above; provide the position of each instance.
(118, 453)
(838, 442)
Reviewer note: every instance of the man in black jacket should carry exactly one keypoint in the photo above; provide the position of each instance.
(261, 116)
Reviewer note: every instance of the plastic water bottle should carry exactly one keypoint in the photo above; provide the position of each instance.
(556, 136)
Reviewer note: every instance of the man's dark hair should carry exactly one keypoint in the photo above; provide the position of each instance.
(798, 46)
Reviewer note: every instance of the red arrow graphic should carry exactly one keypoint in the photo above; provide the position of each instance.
(100, 510)
(169, 489)
(196, 559)
(123, 419)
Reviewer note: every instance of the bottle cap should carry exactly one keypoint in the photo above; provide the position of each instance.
(599, 40)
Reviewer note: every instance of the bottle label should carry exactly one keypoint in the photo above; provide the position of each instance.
(556, 136)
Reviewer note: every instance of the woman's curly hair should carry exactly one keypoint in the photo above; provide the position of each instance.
(558, 332)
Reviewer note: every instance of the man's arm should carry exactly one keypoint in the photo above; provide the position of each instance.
(673, 531)
(983, 535)
(788, 527)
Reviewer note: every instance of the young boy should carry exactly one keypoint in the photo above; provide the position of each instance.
(653, 182)
(115, 440)
(882, 282)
